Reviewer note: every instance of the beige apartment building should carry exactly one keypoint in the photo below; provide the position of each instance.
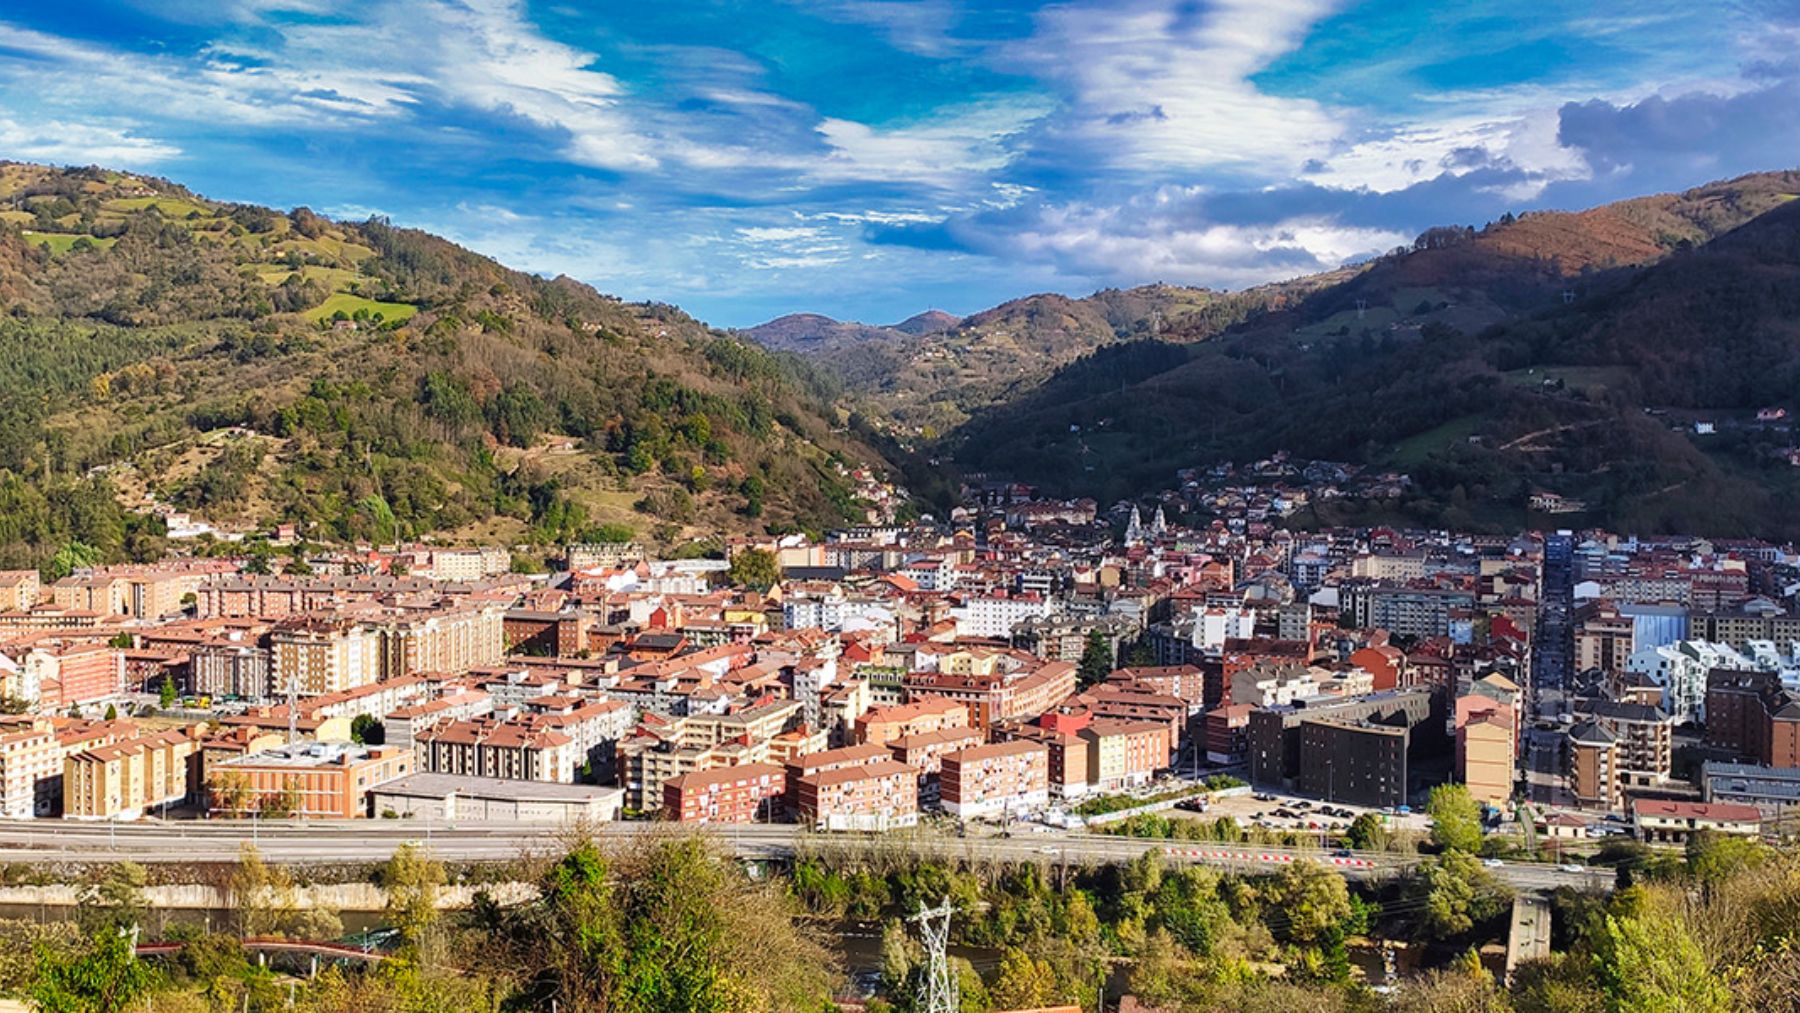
(1484, 752)
(444, 640)
(316, 656)
(19, 589)
(880, 795)
(1603, 638)
(672, 748)
(29, 755)
(511, 750)
(125, 779)
(331, 654)
(1123, 754)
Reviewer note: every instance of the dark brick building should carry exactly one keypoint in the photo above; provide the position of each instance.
(1280, 752)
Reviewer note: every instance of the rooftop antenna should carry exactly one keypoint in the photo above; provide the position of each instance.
(938, 993)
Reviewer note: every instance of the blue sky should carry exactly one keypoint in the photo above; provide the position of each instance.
(871, 158)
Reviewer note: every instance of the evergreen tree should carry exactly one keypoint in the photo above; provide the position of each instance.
(1096, 659)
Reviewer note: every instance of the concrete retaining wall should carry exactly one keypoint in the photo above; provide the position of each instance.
(323, 896)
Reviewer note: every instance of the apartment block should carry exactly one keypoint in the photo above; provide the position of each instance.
(19, 589)
(29, 755)
(1485, 749)
(1593, 767)
(125, 779)
(486, 747)
(323, 655)
(997, 779)
(1124, 754)
(1644, 738)
(231, 669)
(1276, 754)
(884, 724)
(70, 674)
(664, 749)
(746, 793)
(925, 751)
(874, 796)
(1068, 752)
(1357, 761)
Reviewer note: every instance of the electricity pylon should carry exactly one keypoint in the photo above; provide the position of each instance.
(938, 991)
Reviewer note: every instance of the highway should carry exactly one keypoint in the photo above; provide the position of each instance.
(318, 842)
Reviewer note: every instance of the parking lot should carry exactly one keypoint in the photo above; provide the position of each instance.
(1293, 813)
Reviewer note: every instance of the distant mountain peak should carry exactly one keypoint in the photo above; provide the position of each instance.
(928, 322)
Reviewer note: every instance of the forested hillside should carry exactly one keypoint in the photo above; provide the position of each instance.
(367, 381)
(925, 376)
(1570, 353)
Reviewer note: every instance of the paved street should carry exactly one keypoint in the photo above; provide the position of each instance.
(1552, 660)
(375, 840)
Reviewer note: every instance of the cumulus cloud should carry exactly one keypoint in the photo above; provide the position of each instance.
(79, 143)
(1690, 137)
(1169, 234)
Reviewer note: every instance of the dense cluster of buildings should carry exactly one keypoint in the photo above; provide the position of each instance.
(1023, 655)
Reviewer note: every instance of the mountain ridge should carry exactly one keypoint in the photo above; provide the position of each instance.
(372, 383)
(1438, 359)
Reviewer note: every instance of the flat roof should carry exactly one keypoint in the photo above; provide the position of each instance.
(440, 785)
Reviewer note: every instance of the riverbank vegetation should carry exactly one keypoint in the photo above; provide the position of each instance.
(667, 922)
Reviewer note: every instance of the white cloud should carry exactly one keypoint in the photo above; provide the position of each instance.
(1166, 235)
(73, 143)
(921, 27)
(1412, 153)
(779, 234)
(1157, 84)
(953, 146)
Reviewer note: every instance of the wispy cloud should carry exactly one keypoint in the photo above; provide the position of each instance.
(881, 153)
(1155, 85)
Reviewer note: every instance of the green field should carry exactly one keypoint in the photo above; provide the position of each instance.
(171, 207)
(1413, 450)
(326, 246)
(334, 278)
(351, 303)
(61, 242)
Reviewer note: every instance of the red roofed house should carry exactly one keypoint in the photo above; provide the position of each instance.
(1663, 822)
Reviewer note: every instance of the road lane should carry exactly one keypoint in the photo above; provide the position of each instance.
(374, 841)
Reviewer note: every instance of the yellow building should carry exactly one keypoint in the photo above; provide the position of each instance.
(319, 656)
(19, 589)
(29, 755)
(1485, 749)
(126, 778)
(331, 654)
